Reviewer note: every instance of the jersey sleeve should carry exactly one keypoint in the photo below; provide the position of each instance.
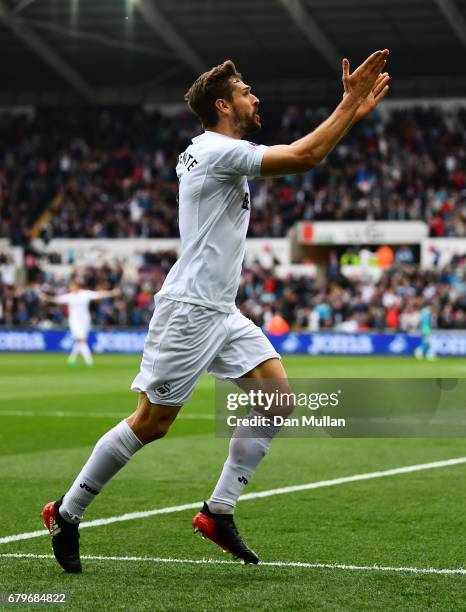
(62, 299)
(91, 295)
(238, 158)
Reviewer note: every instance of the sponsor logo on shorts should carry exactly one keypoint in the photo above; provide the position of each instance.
(163, 389)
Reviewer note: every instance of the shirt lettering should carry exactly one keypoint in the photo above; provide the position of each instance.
(188, 160)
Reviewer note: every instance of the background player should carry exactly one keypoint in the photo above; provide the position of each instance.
(79, 317)
(196, 326)
(425, 349)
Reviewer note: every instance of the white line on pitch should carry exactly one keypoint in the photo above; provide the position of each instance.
(99, 415)
(300, 564)
(258, 494)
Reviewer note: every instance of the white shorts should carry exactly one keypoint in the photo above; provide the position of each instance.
(186, 340)
(79, 330)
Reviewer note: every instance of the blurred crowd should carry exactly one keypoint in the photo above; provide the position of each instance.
(409, 164)
(24, 305)
(392, 303)
(113, 172)
(297, 303)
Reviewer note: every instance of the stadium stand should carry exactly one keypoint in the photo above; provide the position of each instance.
(94, 173)
(392, 303)
(115, 173)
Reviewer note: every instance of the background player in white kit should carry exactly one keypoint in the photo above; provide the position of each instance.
(79, 317)
(196, 326)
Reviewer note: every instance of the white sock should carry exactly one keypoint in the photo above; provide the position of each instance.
(248, 446)
(74, 353)
(85, 352)
(110, 454)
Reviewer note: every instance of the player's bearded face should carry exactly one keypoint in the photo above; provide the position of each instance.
(245, 111)
(246, 120)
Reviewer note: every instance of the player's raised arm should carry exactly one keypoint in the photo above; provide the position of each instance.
(102, 295)
(361, 86)
(50, 299)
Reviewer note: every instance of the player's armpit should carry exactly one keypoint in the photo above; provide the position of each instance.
(281, 160)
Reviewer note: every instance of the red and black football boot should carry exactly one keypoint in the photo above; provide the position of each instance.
(65, 538)
(221, 529)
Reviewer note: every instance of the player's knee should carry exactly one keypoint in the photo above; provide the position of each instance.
(161, 429)
(155, 431)
(151, 422)
(285, 399)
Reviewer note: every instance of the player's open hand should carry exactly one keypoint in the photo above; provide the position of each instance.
(379, 91)
(360, 83)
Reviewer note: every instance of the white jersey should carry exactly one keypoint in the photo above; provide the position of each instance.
(79, 316)
(214, 205)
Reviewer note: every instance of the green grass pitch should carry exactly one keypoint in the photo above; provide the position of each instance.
(51, 416)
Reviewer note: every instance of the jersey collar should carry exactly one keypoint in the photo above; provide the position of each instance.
(209, 134)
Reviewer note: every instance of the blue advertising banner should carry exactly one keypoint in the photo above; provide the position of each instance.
(335, 343)
(58, 341)
(319, 343)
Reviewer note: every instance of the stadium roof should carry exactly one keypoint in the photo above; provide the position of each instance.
(125, 51)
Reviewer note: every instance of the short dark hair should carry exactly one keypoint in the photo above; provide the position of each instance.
(210, 86)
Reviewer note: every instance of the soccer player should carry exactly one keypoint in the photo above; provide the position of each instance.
(425, 350)
(196, 326)
(79, 317)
